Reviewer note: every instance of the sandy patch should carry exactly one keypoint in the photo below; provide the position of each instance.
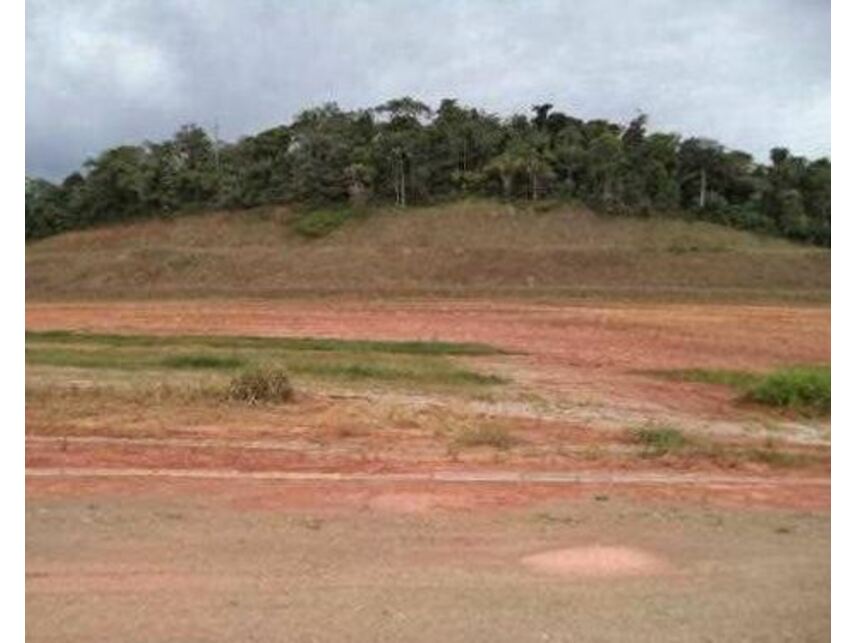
(597, 561)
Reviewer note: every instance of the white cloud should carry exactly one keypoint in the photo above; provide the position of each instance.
(752, 73)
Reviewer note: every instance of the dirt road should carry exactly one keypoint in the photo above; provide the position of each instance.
(165, 562)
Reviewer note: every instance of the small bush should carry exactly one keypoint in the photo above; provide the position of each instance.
(802, 389)
(259, 386)
(320, 223)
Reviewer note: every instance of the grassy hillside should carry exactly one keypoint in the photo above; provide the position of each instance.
(477, 248)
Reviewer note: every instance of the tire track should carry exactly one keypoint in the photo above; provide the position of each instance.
(457, 477)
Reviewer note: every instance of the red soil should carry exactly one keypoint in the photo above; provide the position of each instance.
(584, 350)
(628, 337)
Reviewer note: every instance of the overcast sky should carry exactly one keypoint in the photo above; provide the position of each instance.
(751, 73)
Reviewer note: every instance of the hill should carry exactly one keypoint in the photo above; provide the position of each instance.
(467, 248)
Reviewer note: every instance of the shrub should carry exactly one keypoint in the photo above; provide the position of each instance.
(803, 389)
(261, 386)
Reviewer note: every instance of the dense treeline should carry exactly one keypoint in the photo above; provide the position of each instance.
(403, 152)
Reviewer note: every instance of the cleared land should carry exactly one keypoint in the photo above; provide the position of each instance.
(420, 386)
(512, 459)
(529, 467)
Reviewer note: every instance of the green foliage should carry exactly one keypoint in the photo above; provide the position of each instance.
(805, 389)
(384, 373)
(44, 213)
(202, 361)
(802, 389)
(320, 223)
(404, 152)
(260, 386)
(262, 343)
(736, 379)
(399, 364)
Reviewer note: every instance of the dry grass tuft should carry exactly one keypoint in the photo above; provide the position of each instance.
(259, 386)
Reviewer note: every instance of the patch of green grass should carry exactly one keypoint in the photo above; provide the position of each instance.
(484, 436)
(274, 343)
(321, 223)
(660, 440)
(65, 357)
(369, 371)
(805, 389)
(70, 357)
(406, 364)
(202, 362)
(353, 371)
(736, 379)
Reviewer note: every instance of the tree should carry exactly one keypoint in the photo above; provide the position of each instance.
(256, 169)
(698, 160)
(507, 166)
(43, 209)
(541, 115)
(115, 186)
(319, 153)
(403, 152)
(603, 163)
(195, 167)
(402, 139)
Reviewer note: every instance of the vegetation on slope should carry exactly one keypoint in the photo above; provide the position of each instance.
(470, 247)
(405, 153)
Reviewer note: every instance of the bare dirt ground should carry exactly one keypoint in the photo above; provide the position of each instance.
(250, 560)
(214, 531)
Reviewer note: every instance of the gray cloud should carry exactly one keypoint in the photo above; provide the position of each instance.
(753, 74)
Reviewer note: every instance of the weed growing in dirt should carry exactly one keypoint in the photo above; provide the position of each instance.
(260, 386)
(659, 440)
(484, 436)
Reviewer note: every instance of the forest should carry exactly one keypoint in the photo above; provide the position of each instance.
(403, 152)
